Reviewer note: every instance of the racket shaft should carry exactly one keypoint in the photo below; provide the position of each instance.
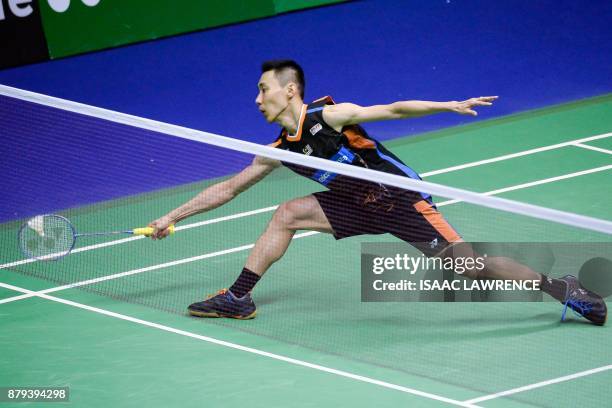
(136, 231)
(93, 234)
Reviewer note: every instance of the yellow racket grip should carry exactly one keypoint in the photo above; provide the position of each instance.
(147, 231)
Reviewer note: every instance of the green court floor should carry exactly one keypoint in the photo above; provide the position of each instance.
(314, 343)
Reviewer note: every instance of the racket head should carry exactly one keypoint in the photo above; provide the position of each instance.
(47, 237)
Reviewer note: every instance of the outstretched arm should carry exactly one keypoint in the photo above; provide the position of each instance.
(344, 114)
(215, 195)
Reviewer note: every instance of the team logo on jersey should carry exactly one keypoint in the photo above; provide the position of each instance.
(315, 129)
(433, 243)
(307, 150)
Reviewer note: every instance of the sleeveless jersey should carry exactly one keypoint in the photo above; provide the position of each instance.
(314, 137)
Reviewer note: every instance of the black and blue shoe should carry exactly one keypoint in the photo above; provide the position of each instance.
(583, 302)
(225, 304)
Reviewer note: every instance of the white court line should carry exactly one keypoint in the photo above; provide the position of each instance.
(540, 384)
(575, 142)
(537, 183)
(305, 234)
(245, 349)
(517, 154)
(597, 149)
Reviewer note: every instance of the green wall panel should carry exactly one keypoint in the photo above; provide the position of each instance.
(110, 23)
(77, 26)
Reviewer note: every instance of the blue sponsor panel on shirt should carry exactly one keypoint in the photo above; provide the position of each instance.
(343, 155)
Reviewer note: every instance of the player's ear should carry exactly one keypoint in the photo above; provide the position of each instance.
(291, 89)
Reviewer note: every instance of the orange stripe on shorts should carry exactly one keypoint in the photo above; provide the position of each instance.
(435, 218)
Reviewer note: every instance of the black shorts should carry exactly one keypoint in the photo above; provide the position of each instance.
(404, 214)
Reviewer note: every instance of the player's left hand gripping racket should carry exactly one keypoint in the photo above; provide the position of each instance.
(50, 237)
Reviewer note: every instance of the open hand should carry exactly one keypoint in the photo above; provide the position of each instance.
(466, 107)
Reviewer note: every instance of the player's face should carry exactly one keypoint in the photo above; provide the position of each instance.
(272, 98)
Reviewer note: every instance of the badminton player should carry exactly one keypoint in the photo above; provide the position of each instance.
(348, 207)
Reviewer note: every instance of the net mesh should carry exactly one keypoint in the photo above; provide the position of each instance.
(46, 237)
(104, 176)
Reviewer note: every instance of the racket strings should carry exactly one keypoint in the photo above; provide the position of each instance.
(47, 236)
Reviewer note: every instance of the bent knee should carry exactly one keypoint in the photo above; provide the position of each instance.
(287, 214)
(300, 213)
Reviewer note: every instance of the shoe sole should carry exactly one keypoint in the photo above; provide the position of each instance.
(217, 315)
(602, 323)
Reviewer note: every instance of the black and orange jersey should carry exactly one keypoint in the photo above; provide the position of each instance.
(314, 137)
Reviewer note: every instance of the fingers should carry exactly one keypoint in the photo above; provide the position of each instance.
(465, 107)
(480, 101)
(487, 100)
(161, 233)
(158, 231)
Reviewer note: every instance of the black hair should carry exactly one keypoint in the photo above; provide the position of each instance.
(286, 71)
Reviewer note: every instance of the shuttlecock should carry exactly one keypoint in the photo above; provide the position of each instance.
(38, 224)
